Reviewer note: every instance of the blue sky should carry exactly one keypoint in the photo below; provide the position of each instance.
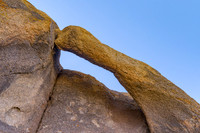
(163, 34)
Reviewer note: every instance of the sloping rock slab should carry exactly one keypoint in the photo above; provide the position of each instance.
(81, 104)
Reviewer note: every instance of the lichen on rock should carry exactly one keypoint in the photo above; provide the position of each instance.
(33, 99)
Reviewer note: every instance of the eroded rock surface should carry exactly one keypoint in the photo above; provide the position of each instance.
(28, 65)
(81, 104)
(167, 108)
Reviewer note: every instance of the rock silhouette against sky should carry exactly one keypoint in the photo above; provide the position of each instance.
(37, 95)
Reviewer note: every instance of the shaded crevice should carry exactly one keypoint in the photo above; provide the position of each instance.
(47, 105)
(58, 68)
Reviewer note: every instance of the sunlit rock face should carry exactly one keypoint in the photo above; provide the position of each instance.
(28, 65)
(166, 107)
(80, 103)
(36, 95)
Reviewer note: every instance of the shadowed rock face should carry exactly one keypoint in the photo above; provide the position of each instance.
(28, 65)
(82, 104)
(167, 108)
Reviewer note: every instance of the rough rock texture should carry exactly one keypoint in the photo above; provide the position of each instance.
(28, 65)
(28, 70)
(167, 108)
(81, 104)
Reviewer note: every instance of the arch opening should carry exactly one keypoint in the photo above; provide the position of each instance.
(71, 61)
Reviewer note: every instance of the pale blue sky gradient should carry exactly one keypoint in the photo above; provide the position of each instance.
(163, 34)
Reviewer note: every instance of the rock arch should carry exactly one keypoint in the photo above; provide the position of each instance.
(29, 67)
(167, 108)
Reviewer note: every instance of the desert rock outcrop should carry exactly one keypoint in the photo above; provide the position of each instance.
(36, 95)
(167, 108)
(28, 65)
(80, 103)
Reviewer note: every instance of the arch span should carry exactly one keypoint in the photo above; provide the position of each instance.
(167, 108)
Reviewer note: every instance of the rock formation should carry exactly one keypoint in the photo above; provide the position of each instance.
(28, 65)
(167, 108)
(82, 104)
(36, 95)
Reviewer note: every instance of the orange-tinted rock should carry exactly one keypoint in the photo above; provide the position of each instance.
(28, 65)
(81, 104)
(167, 108)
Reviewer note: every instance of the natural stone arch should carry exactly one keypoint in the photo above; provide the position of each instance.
(29, 57)
(167, 108)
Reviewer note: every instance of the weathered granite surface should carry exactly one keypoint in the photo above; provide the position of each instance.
(167, 108)
(29, 64)
(81, 104)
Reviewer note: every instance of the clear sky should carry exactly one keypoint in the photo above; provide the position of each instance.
(162, 33)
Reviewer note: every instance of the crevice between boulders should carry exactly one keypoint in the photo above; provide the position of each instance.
(48, 103)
